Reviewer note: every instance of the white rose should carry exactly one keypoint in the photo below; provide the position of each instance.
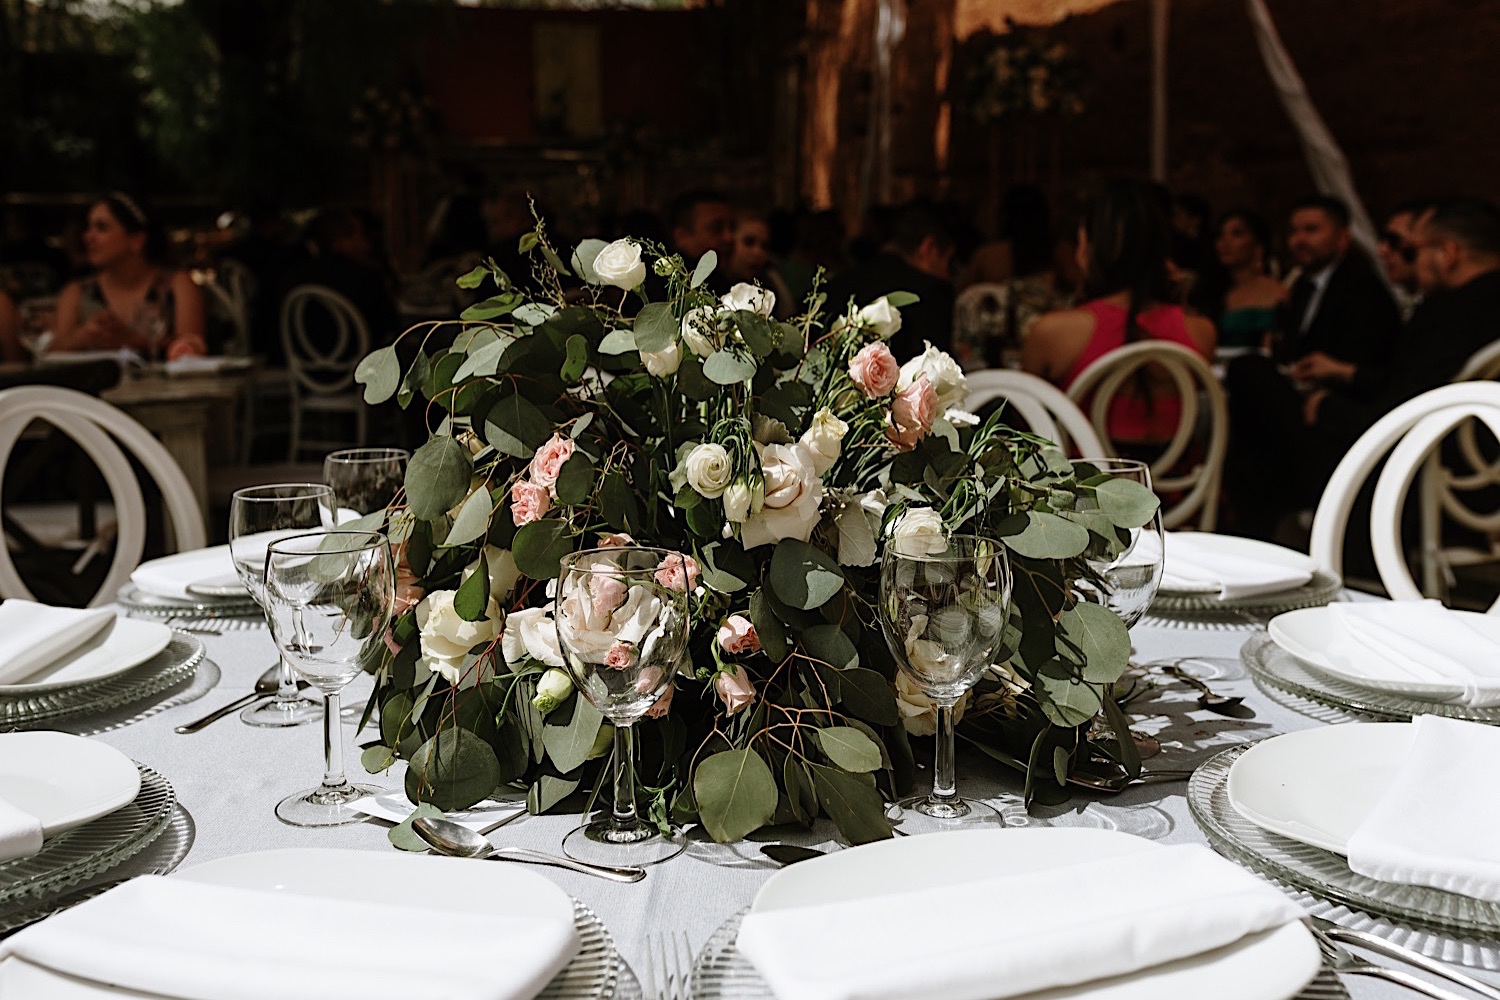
(663, 363)
(737, 502)
(592, 632)
(552, 690)
(752, 298)
(823, 438)
(531, 632)
(919, 532)
(501, 566)
(919, 712)
(620, 265)
(942, 371)
(792, 494)
(698, 330)
(709, 470)
(446, 639)
(882, 317)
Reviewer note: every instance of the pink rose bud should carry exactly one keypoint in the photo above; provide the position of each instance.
(678, 572)
(874, 370)
(735, 689)
(737, 635)
(663, 703)
(548, 461)
(912, 413)
(621, 656)
(528, 502)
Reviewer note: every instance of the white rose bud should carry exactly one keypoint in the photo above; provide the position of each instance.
(823, 439)
(882, 317)
(552, 690)
(737, 502)
(942, 371)
(663, 363)
(919, 532)
(751, 298)
(697, 331)
(620, 265)
(709, 470)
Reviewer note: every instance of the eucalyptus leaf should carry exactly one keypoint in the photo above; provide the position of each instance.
(656, 329)
(617, 342)
(569, 736)
(515, 426)
(829, 644)
(868, 695)
(1048, 536)
(404, 838)
(1101, 638)
(437, 477)
(736, 794)
(727, 567)
(728, 368)
(583, 266)
(482, 360)
(472, 520)
(706, 265)
(853, 804)
(1068, 701)
(535, 313)
(472, 599)
(474, 278)
(803, 576)
(376, 758)
(540, 546)
(1128, 503)
(849, 748)
(380, 373)
(577, 359)
(768, 627)
(900, 300)
(547, 792)
(492, 308)
(575, 483)
(453, 770)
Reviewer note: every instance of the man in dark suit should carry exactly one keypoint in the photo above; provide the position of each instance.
(917, 257)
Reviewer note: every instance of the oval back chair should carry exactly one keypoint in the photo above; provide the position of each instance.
(1046, 409)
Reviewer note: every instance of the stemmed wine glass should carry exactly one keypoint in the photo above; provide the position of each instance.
(258, 516)
(328, 598)
(622, 625)
(1125, 581)
(943, 607)
(364, 480)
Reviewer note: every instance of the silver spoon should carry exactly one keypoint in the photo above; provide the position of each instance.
(1207, 697)
(458, 841)
(266, 685)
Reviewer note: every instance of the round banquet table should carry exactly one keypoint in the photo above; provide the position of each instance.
(229, 777)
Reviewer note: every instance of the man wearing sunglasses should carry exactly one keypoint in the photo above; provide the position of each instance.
(1398, 254)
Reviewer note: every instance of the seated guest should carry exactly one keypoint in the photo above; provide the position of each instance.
(702, 221)
(751, 260)
(1122, 249)
(10, 330)
(132, 300)
(1398, 254)
(917, 257)
(1242, 297)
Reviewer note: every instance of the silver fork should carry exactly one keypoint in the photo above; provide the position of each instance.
(1345, 963)
(1326, 929)
(669, 963)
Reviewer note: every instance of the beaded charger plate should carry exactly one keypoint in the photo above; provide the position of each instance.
(138, 602)
(1320, 590)
(165, 670)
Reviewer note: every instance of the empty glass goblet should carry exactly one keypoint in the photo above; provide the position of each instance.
(328, 598)
(622, 624)
(1124, 578)
(365, 480)
(943, 607)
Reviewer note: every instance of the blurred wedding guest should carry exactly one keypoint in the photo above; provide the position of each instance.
(132, 299)
(1239, 294)
(702, 221)
(916, 257)
(1398, 254)
(1025, 245)
(269, 253)
(819, 246)
(343, 260)
(1192, 245)
(10, 330)
(751, 261)
(1122, 248)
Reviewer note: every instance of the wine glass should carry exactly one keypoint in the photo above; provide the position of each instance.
(258, 516)
(328, 598)
(151, 323)
(943, 607)
(364, 480)
(1125, 577)
(622, 625)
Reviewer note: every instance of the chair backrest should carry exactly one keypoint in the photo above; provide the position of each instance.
(1412, 429)
(1195, 385)
(231, 290)
(100, 429)
(1046, 409)
(324, 337)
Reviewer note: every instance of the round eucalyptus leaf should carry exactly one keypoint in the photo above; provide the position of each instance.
(453, 770)
(803, 576)
(437, 477)
(736, 794)
(379, 373)
(540, 546)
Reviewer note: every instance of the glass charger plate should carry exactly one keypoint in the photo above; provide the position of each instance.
(136, 601)
(1272, 665)
(1325, 875)
(721, 973)
(166, 669)
(81, 853)
(1318, 591)
(598, 971)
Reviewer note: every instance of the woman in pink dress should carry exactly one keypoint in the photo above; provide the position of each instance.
(1122, 249)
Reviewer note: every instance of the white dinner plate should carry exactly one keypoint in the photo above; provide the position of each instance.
(200, 572)
(458, 884)
(1318, 637)
(1244, 548)
(1270, 965)
(1317, 786)
(64, 780)
(127, 643)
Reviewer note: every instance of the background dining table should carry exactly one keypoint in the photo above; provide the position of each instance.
(229, 777)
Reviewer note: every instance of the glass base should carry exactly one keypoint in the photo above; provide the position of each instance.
(602, 843)
(919, 814)
(324, 806)
(278, 714)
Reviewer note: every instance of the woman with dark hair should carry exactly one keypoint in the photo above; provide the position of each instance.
(132, 300)
(1242, 298)
(1122, 250)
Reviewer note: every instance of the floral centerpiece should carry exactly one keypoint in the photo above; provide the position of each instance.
(1023, 73)
(777, 457)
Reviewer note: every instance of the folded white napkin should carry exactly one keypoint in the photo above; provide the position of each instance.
(1418, 641)
(33, 635)
(1002, 937)
(1435, 825)
(178, 938)
(393, 806)
(20, 832)
(1191, 565)
(172, 575)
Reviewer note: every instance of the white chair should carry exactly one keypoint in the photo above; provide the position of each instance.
(1409, 433)
(230, 291)
(100, 429)
(1195, 385)
(322, 359)
(1046, 409)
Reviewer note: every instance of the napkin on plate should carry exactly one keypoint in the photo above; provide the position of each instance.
(20, 832)
(1419, 641)
(1003, 937)
(33, 635)
(1436, 824)
(194, 941)
(171, 576)
(1190, 565)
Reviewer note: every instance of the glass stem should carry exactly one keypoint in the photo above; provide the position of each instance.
(333, 743)
(286, 682)
(624, 814)
(944, 783)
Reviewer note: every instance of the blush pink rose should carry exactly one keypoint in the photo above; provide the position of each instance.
(621, 656)
(912, 413)
(737, 635)
(528, 502)
(874, 370)
(606, 592)
(615, 540)
(678, 572)
(409, 591)
(663, 703)
(735, 689)
(548, 461)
